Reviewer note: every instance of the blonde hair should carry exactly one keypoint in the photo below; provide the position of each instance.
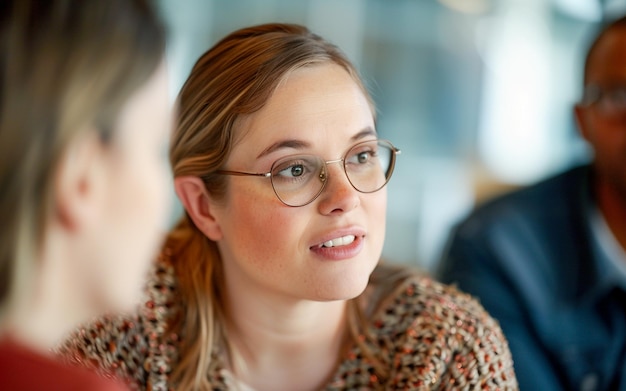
(236, 77)
(65, 66)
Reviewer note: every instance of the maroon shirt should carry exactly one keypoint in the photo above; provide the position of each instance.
(24, 369)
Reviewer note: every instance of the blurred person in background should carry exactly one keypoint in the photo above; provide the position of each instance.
(271, 280)
(549, 261)
(84, 120)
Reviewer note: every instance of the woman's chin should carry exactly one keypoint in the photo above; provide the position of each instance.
(342, 289)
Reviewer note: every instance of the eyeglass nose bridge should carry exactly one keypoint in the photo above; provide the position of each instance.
(323, 173)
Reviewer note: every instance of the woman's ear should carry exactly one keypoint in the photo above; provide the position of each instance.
(78, 183)
(197, 202)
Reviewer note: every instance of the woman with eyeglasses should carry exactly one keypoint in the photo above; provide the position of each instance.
(272, 280)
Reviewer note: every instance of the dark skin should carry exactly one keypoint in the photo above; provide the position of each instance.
(604, 128)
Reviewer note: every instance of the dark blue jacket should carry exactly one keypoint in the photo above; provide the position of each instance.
(531, 259)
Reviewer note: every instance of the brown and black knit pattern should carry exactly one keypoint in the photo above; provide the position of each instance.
(429, 336)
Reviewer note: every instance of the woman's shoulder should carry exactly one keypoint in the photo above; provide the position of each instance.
(135, 346)
(22, 368)
(440, 334)
(419, 296)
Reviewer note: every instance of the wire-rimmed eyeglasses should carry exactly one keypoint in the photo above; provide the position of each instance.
(610, 98)
(298, 180)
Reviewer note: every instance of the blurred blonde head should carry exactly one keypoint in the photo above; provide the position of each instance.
(67, 68)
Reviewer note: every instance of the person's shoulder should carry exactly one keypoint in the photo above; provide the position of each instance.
(418, 297)
(445, 332)
(537, 194)
(422, 298)
(557, 193)
(24, 369)
(83, 379)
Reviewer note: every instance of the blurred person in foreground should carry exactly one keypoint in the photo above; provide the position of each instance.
(84, 120)
(271, 281)
(549, 261)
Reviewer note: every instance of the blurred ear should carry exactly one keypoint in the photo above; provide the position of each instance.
(78, 182)
(580, 112)
(197, 202)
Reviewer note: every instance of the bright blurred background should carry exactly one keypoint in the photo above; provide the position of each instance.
(478, 94)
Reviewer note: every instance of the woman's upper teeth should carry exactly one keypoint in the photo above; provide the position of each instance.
(342, 241)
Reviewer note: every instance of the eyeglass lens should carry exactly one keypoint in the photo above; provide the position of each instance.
(297, 180)
(611, 99)
(615, 100)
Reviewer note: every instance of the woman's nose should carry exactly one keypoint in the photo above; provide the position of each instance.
(338, 196)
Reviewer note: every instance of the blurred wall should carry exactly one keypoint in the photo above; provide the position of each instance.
(476, 93)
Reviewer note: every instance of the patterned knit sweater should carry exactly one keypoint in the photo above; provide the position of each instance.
(429, 336)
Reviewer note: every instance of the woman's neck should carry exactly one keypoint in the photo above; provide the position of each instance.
(51, 307)
(37, 327)
(286, 344)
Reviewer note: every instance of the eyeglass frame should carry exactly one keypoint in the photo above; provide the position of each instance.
(323, 178)
(595, 94)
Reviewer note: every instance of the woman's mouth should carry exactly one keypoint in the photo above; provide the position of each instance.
(341, 241)
(341, 247)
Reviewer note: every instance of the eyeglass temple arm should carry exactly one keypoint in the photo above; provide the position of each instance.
(242, 173)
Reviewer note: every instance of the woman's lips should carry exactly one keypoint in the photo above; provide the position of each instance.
(340, 247)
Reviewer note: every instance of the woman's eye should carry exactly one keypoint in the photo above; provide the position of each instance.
(362, 157)
(294, 171)
(299, 168)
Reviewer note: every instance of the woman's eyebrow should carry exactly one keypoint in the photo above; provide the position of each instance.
(291, 143)
(300, 144)
(367, 131)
